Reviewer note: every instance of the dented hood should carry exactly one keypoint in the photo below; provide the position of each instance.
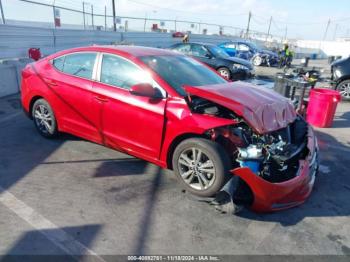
(263, 109)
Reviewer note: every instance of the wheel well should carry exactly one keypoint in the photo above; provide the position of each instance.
(346, 78)
(34, 99)
(175, 143)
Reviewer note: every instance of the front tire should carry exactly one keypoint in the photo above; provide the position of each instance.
(202, 166)
(224, 72)
(344, 89)
(44, 119)
(257, 61)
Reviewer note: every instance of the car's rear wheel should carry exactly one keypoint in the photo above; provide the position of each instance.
(202, 166)
(344, 89)
(257, 60)
(44, 119)
(224, 72)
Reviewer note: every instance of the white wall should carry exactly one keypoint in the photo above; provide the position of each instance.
(327, 48)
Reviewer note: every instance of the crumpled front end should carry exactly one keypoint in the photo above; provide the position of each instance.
(291, 188)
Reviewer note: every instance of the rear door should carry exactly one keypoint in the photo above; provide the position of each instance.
(70, 79)
(128, 122)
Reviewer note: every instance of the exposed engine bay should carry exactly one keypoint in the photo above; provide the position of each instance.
(273, 156)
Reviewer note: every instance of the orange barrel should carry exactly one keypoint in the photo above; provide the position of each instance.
(322, 106)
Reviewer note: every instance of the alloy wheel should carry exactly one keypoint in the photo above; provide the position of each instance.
(196, 169)
(344, 90)
(225, 73)
(43, 119)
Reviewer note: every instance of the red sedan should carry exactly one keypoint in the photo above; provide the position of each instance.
(173, 111)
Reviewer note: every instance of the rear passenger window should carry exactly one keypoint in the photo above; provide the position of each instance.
(78, 64)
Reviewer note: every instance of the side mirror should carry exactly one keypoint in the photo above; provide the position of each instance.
(146, 90)
(207, 55)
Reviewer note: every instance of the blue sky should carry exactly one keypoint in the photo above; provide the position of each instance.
(303, 19)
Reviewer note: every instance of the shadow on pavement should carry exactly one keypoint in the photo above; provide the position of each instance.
(65, 244)
(342, 121)
(121, 167)
(330, 196)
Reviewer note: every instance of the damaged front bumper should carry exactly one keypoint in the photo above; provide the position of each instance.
(277, 196)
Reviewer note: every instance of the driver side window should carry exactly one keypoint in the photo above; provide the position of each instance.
(119, 72)
(199, 50)
(243, 47)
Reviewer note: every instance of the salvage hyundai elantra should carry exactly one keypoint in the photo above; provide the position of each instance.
(175, 112)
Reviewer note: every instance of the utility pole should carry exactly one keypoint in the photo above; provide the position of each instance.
(335, 31)
(249, 17)
(325, 33)
(114, 22)
(92, 16)
(285, 33)
(2, 13)
(105, 18)
(268, 30)
(84, 14)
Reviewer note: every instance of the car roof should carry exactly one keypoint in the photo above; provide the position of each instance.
(135, 51)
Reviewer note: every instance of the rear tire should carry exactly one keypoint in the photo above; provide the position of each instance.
(44, 119)
(344, 88)
(202, 166)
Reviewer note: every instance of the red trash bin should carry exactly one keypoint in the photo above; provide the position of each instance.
(34, 53)
(322, 106)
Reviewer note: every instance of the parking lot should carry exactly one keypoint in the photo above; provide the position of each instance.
(71, 197)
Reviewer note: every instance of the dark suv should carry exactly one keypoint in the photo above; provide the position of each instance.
(341, 76)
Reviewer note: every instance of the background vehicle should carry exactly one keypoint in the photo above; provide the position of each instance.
(250, 51)
(340, 70)
(169, 109)
(228, 67)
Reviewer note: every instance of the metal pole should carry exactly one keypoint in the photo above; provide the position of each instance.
(92, 16)
(335, 31)
(175, 25)
(249, 17)
(114, 24)
(54, 15)
(285, 33)
(105, 18)
(268, 30)
(144, 24)
(84, 14)
(2, 13)
(325, 33)
(199, 28)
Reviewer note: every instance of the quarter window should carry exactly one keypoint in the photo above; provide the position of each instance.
(119, 72)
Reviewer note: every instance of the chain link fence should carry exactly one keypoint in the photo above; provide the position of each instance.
(47, 15)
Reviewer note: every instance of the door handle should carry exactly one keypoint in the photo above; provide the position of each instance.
(101, 99)
(51, 82)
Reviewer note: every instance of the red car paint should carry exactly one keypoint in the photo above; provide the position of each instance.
(263, 109)
(279, 196)
(149, 130)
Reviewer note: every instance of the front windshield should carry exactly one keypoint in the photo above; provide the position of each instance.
(178, 70)
(217, 51)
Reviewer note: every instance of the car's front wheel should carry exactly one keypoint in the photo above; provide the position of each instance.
(344, 89)
(224, 72)
(44, 118)
(257, 60)
(202, 166)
